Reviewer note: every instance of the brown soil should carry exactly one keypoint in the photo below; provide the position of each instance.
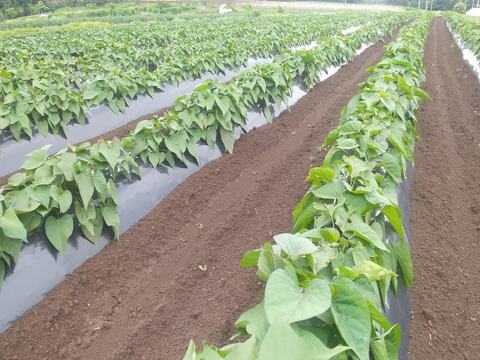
(446, 207)
(145, 297)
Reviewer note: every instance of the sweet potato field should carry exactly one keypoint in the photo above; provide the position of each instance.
(220, 269)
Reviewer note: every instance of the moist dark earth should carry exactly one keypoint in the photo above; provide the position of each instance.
(144, 297)
(446, 207)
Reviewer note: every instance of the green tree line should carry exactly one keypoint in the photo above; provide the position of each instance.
(11, 9)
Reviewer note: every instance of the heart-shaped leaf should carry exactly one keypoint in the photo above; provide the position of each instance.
(284, 299)
(59, 230)
(12, 226)
(295, 245)
(36, 158)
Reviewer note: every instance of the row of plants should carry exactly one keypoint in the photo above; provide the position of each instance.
(48, 80)
(80, 180)
(467, 30)
(122, 17)
(326, 282)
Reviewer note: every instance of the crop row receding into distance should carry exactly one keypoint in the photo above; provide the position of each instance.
(102, 119)
(80, 180)
(326, 282)
(53, 78)
(467, 36)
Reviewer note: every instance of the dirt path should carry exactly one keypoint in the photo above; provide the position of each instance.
(145, 297)
(446, 208)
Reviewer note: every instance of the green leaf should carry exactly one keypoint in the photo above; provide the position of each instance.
(36, 158)
(170, 159)
(372, 271)
(329, 234)
(321, 174)
(110, 215)
(378, 317)
(250, 258)
(268, 113)
(282, 343)
(364, 231)
(190, 354)
(402, 84)
(254, 321)
(173, 144)
(9, 245)
(97, 227)
(114, 106)
(369, 290)
(284, 300)
(12, 226)
(370, 98)
(304, 213)
(352, 317)
(100, 184)
(405, 261)
(360, 254)
(90, 94)
(321, 258)
(350, 127)
(193, 150)
(85, 216)
(85, 185)
(59, 230)
(112, 190)
(420, 93)
(295, 245)
(223, 103)
(210, 354)
(2, 274)
(245, 351)
(66, 165)
(211, 136)
(20, 201)
(17, 179)
(268, 262)
(228, 139)
(156, 158)
(111, 152)
(393, 215)
(330, 191)
(357, 202)
(43, 175)
(386, 347)
(356, 165)
(31, 221)
(332, 137)
(346, 144)
(202, 87)
(40, 193)
(316, 346)
(392, 166)
(209, 101)
(345, 272)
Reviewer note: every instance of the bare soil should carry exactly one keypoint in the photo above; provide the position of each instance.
(144, 297)
(446, 208)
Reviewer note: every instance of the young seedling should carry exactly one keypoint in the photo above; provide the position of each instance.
(203, 267)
